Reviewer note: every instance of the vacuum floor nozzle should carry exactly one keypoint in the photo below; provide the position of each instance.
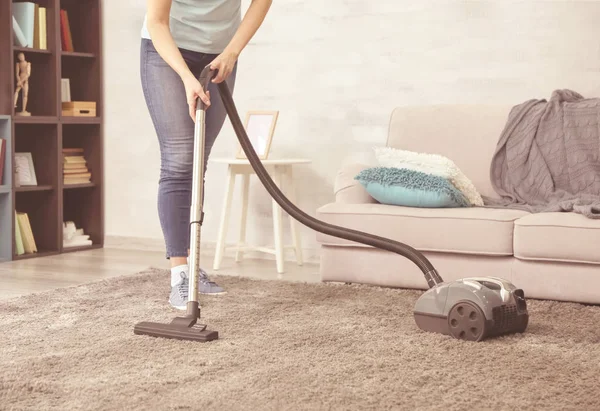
(180, 328)
(196, 332)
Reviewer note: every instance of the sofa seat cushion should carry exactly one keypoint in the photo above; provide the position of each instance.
(473, 230)
(566, 237)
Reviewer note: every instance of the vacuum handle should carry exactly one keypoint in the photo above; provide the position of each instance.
(206, 76)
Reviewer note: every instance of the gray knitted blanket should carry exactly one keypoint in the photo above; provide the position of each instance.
(547, 157)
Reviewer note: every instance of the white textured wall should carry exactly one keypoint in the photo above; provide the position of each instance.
(335, 69)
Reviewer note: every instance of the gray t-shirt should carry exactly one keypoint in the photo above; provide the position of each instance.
(206, 26)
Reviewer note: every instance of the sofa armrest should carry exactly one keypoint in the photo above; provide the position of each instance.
(347, 189)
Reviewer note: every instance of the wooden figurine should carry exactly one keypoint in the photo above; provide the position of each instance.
(23, 72)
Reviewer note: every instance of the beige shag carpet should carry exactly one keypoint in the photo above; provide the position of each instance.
(284, 346)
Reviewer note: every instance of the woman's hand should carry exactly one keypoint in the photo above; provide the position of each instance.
(224, 63)
(193, 91)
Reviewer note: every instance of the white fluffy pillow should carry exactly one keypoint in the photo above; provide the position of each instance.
(434, 164)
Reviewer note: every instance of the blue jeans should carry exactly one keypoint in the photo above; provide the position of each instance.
(166, 100)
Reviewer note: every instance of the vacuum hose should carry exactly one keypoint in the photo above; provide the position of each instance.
(431, 275)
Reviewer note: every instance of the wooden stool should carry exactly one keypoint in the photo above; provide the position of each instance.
(280, 171)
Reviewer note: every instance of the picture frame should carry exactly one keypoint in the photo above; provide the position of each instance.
(25, 170)
(260, 127)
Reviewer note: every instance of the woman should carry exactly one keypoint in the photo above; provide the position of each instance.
(179, 38)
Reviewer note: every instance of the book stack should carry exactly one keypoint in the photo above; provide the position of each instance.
(24, 235)
(75, 169)
(29, 25)
(73, 236)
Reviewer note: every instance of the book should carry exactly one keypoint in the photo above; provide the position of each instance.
(30, 25)
(70, 172)
(77, 181)
(36, 27)
(74, 164)
(26, 233)
(78, 176)
(39, 30)
(20, 39)
(65, 31)
(74, 160)
(43, 29)
(24, 13)
(19, 249)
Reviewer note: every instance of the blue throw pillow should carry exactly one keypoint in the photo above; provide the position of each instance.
(410, 188)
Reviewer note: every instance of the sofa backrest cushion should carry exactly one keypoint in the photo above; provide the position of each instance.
(466, 134)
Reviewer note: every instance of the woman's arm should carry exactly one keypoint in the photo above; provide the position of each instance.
(252, 20)
(158, 26)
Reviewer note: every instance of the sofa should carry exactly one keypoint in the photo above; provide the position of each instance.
(553, 256)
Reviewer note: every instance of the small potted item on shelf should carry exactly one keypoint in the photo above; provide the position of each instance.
(23, 72)
(79, 108)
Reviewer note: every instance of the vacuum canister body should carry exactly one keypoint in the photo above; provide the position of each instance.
(473, 308)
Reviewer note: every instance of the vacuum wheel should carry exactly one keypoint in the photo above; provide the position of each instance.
(466, 321)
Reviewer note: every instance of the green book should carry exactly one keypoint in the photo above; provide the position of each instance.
(18, 239)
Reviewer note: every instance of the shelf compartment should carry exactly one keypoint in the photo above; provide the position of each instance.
(83, 75)
(83, 203)
(41, 141)
(40, 207)
(5, 189)
(82, 207)
(86, 137)
(50, 6)
(42, 95)
(84, 22)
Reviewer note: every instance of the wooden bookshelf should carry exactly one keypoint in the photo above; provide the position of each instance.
(46, 132)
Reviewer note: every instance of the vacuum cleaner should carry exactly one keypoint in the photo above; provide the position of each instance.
(471, 309)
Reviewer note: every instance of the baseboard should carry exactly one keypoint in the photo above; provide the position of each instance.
(310, 255)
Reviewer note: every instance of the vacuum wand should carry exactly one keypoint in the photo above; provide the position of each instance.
(431, 275)
(186, 327)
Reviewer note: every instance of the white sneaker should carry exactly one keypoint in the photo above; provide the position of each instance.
(179, 293)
